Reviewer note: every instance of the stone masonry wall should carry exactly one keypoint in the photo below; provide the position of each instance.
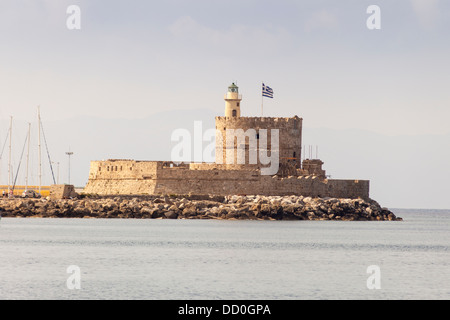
(158, 178)
(290, 135)
(122, 177)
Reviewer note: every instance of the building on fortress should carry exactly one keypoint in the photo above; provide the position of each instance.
(253, 156)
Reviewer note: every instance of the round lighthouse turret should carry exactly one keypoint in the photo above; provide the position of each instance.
(233, 102)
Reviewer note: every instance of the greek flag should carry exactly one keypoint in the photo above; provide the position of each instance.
(267, 91)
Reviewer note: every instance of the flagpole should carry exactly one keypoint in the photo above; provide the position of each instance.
(262, 101)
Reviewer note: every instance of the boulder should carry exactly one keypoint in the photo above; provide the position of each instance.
(171, 215)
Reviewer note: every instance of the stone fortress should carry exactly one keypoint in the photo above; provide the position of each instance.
(232, 173)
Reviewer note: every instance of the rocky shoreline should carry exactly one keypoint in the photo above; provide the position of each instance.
(199, 207)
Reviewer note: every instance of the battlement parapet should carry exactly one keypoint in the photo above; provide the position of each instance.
(259, 119)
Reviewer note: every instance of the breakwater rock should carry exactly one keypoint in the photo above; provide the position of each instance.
(200, 207)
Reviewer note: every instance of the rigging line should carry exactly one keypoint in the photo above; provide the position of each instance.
(4, 145)
(20, 162)
(48, 154)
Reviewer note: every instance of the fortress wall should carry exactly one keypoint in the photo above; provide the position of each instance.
(215, 166)
(122, 169)
(228, 182)
(157, 178)
(349, 188)
(314, 167)
(119, 187)
(122, 177)
(290, 135)
(307, 186)
(217, 182)
(206, 175)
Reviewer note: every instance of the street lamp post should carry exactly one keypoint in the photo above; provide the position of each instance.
(69, 154)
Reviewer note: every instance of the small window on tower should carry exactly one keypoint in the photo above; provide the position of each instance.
(234, 113)
(237, 104)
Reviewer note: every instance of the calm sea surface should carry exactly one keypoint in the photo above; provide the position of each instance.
(218, 259)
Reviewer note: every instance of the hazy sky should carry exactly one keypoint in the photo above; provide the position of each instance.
(133, 59)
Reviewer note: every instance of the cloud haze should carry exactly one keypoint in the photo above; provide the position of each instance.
(427, 11)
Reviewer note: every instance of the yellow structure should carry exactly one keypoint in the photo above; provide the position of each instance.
(233, 102)
(18, 190)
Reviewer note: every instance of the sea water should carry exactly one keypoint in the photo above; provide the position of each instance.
(223, 259)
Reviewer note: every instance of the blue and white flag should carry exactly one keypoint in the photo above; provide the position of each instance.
(267, 91)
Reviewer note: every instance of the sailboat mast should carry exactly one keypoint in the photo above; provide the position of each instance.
(9, 158)
(28, 156)
(39, 147)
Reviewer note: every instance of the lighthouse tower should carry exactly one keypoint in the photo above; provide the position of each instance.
(233, 102)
